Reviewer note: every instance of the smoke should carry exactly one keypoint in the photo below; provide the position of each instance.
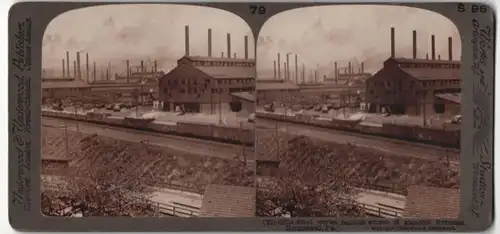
(324, 34)
(113, 34)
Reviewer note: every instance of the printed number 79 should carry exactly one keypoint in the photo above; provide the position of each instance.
(257, 10)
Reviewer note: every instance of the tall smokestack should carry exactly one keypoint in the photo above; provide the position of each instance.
(393, 47)
(95, 73)
(336, 72)
(67, 64)
(414, 44)
(229, 45)
(427, 56)
(350, 70)
(209, 42)
(274, 69)
(287, 66)
(362, 67)
(450, 49)
(155, 66)
(74, 69)
(296, 70)
(284, 68)
(433, 48)
(303, 73)
(439, 57)
(79, 71)
(279, 67)
(87, 75)
(246, 47)
(128, 71)
(142, 65)
(222, 54)
(63, 69)
(186, 40)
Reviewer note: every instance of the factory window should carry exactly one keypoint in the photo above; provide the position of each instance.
(182, 90)
(219, 81)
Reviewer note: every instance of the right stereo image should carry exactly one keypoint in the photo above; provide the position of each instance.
(358, 116)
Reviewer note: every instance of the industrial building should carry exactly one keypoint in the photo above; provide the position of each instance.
(275, 91)
(205, 84)
(411, 86)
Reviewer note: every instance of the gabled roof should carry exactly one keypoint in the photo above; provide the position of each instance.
(452, 97)
(215, 59)
(433, 73)
(228, 72)
(64, 84)
(244, 95)
(432, 203)
(228, 201)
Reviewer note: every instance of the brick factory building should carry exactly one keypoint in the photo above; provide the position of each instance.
(275, 91)
(205, 84)
(412, 86)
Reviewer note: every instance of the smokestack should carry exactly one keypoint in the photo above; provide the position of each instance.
(414, 44)
(229, 45)
(279, 67)
(296, 70)
(209, 42)
(79, 71)
(393, 53)
(128, 70)
(63, 69)
(74, 69)
(284, 67)
(246, 47)
(142, 65)
(234, 55)
(336, 72)
(87, 67)
(274, 69)
(287, 66)
(439, 57)
(107, 74)
(350, 69)
(95, 73)
(222, 54)
(362, 67)
(427, 56)
(67, 64)
(450, 49)
(433, 48)
(303, 73)
(155, 66)
(186, 38)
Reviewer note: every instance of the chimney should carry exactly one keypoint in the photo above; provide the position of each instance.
(296, 70)
(63, 69)
(362, 67)
(142, 65)
(209, 42)
(222, 54)
(79, 72)
(392, 43)
(229, 45)
(67, 64)
(128, 70)
(95, 73)
(433, 48)
(336, 72)
(87, 67)
(439, 57)
(279, 67)
(107, 74)
(303, 73)
(345, 71)
(450, 49)
(246, 47)
(74, 69)
(287, 66)
(284, 68)
(234, 55)
(427, 56)
(155, 69)
(186, 40)
(274, 69)
(414, 44)
(350, 68)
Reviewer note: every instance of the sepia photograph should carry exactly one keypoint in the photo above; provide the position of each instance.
(358, 113)
(148, 110)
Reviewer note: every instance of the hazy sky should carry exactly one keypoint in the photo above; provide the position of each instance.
(319, 35)
(324, 34)
(117, 33)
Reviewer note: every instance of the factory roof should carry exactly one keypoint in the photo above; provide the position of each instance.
(432, 203)
(276, 85)
(244, 95)
(433, 73)
(216, 59)
(411, 60)
(452, 97)
(228, 201)
(228, 72)
(66, 84)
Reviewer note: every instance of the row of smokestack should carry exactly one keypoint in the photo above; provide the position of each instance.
(286, 66)
(186, 43)
(77, 73)
(433, 46)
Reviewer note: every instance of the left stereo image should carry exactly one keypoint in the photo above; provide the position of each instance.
(147, 110)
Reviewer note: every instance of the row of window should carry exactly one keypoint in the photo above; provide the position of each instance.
(419, 93)
(426, 83)
(427, 65)
(207, 81)
(441, 82)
